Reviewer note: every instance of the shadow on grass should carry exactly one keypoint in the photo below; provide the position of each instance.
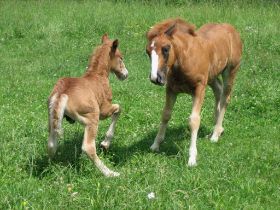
(174, 135)
(69, 150)
(68, 154)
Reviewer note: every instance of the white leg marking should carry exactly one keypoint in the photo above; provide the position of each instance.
(110, 133)
(218, 129)
(106, 171)
(194, 124)
(154, 58)
(159, 138)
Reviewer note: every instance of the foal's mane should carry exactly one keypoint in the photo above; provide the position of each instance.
(99, 59)
(165, 25)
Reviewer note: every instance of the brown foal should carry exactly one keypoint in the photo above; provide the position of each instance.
(187, 61)
(87, 99)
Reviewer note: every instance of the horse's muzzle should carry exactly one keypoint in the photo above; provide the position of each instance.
(123, 75)
(158, 81)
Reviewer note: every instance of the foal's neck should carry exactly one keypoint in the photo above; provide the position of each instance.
(99, 71)
(99, 64)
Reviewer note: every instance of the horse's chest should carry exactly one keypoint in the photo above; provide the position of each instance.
(179, 83)
(181, 87)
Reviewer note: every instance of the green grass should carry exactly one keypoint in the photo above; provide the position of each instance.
(41, 41)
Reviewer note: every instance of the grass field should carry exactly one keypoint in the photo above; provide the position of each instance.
(41, 41)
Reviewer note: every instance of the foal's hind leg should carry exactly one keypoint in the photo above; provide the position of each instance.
(228, 78)
(166, 115)
(89, 145)
(217, 87)
(115, 110)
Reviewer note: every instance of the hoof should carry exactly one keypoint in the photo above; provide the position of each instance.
(112, 174)
(154, 148)
(105, 145)
(214, 139)
(192, 162)
(216, 134)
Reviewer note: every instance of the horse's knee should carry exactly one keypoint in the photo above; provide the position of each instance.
(194, 121)
(166, 115)
(116, 109)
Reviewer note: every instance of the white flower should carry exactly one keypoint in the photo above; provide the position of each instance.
(151, 195)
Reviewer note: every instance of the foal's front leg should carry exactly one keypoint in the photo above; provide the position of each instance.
(194, 122)
(115, 110)
(166, 115)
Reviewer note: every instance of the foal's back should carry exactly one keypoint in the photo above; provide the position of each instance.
(225, 39)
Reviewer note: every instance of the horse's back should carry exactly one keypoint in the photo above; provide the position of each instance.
(224, 37)
(77, 89)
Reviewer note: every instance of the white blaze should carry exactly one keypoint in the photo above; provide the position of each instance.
(154, 57)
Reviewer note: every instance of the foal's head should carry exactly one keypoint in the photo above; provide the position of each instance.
(161, 53)
(116, 60)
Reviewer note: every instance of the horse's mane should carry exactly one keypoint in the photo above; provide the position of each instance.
(163, 26)
(99, 59)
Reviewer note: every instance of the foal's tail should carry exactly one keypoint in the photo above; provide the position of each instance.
(56, 104)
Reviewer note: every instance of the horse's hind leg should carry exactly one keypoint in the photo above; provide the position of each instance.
(166, 115)
(217, 87)
(89, 145)
(115, 110)
(228, 76)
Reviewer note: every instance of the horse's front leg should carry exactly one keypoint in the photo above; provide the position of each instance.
(194, 122)
(166, 115)
(114, 111)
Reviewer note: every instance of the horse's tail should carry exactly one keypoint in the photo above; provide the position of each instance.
(56, 105)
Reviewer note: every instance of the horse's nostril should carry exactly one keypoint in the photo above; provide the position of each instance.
(159, 77)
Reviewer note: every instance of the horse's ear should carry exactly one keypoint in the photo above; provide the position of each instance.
(170, 31)
(105, 38)
(115, 45)
(191, 30)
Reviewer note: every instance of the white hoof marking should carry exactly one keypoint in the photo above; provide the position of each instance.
(155, 147)
(192, 162)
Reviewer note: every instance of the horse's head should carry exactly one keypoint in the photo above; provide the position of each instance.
(116, 60)
(161, 53)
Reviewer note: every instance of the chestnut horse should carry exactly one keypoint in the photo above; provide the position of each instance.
(87, 99)
(187, 61)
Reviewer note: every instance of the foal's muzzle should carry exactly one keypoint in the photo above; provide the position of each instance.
(123, 75)
(159, 80)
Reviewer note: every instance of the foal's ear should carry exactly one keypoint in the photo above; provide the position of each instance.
(105, 38)
(170, 31)
(115, 45)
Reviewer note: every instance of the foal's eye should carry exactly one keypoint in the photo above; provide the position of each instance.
(165, 50)
(148, 52)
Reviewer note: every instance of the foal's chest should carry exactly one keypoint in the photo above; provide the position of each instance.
(180, 83)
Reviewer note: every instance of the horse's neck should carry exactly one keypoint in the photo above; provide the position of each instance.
(99, 84)
(97, 71)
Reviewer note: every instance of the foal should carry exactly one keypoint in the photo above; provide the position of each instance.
(87, 99)
(187, 61)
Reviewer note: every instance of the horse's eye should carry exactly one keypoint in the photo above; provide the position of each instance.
(165, 50)
(148, 52)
